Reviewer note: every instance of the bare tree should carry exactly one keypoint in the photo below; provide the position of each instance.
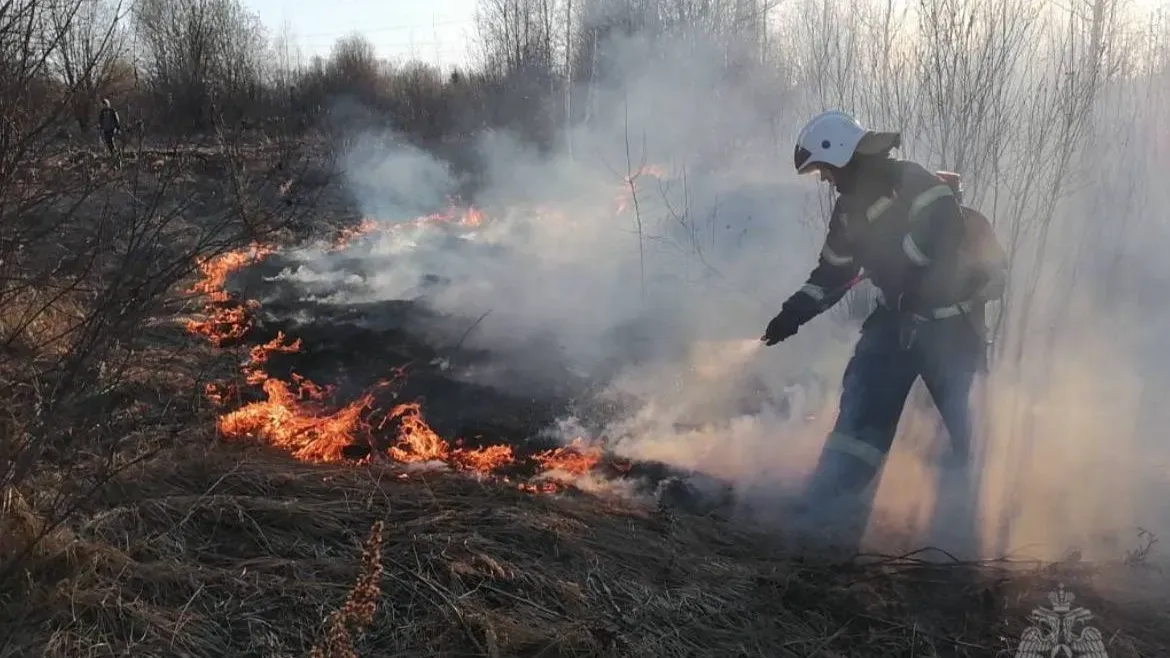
(518, 35)
(354, 67)
(286, 67)
(87, 258)
(90, 52)
(200, 53)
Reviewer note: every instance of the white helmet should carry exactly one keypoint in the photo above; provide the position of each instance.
(833, 137)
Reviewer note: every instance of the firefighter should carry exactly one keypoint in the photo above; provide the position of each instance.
(109, 124)
(904, 227)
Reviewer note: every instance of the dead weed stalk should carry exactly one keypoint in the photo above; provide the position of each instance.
(357, 613)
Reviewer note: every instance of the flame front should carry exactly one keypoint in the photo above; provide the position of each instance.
(417, 442)
(455, 214)
(295, 415)
(224, 324)
(254, 372)
(483, 460)
(287, 421)
(575, 459)
(217, 269)
(348, 235)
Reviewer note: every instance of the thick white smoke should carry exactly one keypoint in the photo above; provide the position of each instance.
(664, 289)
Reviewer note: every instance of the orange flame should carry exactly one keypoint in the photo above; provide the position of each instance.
(348, 235)
(217, 269)
(294, 415)
(254, 368)
(215, 393)
(224, 323)
(472, 217)
(575, 459)
(417, 442)
(483, 460)
(455, 214)
(287, 421)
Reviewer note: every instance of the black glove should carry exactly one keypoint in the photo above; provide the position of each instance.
(781, 327)
(798, 309)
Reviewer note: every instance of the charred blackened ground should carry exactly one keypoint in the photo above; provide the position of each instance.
(402, 351)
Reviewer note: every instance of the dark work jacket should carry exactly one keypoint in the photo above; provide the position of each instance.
(108, 120)
(904, 226)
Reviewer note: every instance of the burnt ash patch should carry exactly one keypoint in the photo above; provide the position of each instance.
(352, 347)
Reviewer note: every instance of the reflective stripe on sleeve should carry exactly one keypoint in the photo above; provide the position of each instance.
(878, 207)
(944, 312)
(814, 291)
(843, 443)
(928, 197)
(833, 258)
(913, 252)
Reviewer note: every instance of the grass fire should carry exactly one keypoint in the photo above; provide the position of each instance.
(307, 420)
(342, 354)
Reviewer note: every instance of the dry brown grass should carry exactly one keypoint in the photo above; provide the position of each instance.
(234, 551)
(44, 321)
(207, 549)
(201, 549)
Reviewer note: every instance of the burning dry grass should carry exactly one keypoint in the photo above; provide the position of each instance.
(453, 214)
(209, 550)
(297, 416)
(255, 550)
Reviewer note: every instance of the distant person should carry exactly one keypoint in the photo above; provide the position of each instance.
(109, 124)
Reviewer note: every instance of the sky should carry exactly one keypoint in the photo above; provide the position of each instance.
(434, 31)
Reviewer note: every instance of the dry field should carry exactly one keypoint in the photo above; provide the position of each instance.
(194, 472)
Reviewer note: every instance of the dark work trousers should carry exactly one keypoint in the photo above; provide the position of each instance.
(108, 139)
(891, 354)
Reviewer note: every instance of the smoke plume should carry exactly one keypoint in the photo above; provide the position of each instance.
(649, 249)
